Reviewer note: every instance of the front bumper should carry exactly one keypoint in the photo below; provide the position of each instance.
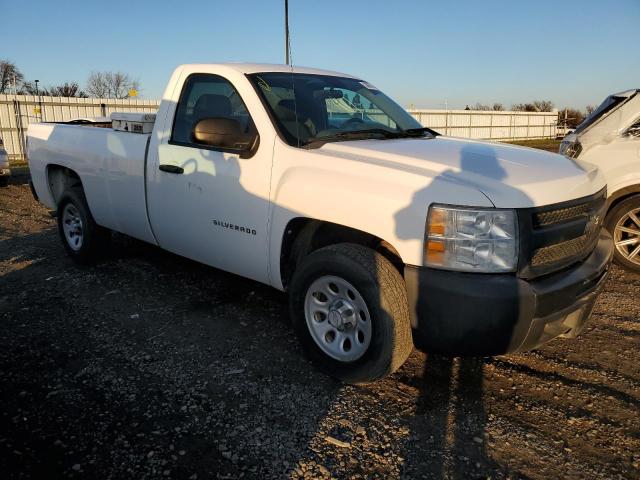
(459, 313)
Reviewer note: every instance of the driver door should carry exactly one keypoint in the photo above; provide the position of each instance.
(208, 203)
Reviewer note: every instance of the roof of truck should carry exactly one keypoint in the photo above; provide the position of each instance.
(248, 68)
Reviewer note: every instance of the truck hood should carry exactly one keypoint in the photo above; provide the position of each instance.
(509, 176)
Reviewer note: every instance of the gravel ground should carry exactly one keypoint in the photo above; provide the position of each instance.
(152, 366)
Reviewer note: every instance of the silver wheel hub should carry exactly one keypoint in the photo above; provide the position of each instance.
(626, 236)
(72, 227)
(338, 318)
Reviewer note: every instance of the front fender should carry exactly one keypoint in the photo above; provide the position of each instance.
(384, 202)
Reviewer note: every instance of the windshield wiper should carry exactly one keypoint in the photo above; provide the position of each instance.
(362, 134)
(350, 135)
(416, 132)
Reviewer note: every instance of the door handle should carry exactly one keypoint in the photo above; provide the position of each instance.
(171, 169)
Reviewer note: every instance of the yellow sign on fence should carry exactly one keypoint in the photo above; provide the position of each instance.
(133, 92)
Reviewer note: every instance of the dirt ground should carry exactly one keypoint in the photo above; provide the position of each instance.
(548, 144)
(152, 366)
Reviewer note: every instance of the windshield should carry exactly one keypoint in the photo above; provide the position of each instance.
(311, 110)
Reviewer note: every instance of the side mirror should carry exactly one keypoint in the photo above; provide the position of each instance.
(223, 133)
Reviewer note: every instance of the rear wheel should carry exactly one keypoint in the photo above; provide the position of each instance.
(623, 221)
(84, 240)
(4, 181)
(349, 309)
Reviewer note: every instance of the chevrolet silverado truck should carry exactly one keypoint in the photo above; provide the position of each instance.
(610, 139)
(385, 234)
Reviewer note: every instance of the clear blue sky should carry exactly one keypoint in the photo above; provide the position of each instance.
(419, 52)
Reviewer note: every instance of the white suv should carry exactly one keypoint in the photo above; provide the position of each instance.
(5, 172)
(610, 139)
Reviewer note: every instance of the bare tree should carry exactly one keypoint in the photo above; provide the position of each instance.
(111, 85)
(29, 88)
(97, 85)
(480, 106)
(571, 117)
(543, 105)
(536, 106)
(67, 90)
(590, 109)
(496, 107)
(121, 84)
(9, 74)
(523, 107)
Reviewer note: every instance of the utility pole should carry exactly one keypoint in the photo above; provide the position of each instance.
(287, 55)
(39, 100)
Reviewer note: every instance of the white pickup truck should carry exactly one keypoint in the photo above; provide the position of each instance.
(610, 139)
(384, 233)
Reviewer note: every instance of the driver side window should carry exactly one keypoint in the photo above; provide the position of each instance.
(207, 96)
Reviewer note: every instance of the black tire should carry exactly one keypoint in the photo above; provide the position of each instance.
(613, 217)
(95, 239)
(384, 293)
(4, 181)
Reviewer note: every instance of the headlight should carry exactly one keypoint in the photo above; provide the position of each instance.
(570, 149)
(471, 240)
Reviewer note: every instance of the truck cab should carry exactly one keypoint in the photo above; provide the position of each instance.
(610, 139)
(384, 233)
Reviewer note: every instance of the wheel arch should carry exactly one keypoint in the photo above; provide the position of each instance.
(621, 195)
(304, 235)
(59, 179)
(626, 253)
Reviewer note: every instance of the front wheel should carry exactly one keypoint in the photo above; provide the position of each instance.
(349, 309)
(623, 222)
(84, 240)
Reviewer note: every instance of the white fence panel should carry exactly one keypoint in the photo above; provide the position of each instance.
(17, 111)
(489, 125)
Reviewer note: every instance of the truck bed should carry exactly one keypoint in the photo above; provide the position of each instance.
(111, 165)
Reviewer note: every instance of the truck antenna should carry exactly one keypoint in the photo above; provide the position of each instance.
(287, 43)
(287, 53)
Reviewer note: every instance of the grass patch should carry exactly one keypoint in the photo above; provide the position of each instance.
(548, 144)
